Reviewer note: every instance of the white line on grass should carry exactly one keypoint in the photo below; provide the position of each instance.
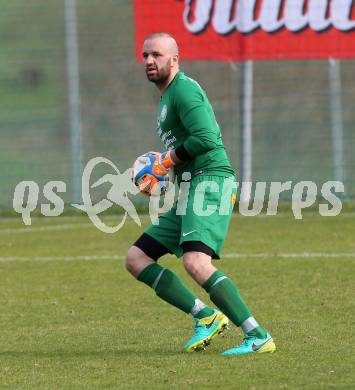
(308, 255)
(290, 255)
(61, 218)
(75, 224)
(31, 229)
(58, 258)
(73, 218)
(67, 226)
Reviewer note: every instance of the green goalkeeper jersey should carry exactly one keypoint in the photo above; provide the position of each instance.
(185, 117)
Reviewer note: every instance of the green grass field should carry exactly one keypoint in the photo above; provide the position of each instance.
(72, 317)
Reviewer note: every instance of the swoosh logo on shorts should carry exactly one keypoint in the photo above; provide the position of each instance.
(186, 234)
(257, 347)
(211, 323)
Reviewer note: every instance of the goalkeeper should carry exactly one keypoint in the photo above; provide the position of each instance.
(187, 126)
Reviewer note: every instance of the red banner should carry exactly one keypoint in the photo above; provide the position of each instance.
(230, 30)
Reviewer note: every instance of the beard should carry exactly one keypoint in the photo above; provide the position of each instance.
(161, 75)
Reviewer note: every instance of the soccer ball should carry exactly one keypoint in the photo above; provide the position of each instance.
(146, 182)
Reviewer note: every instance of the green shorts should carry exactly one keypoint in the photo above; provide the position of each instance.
(203, 214)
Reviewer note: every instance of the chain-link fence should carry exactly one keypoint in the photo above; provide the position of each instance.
(292, 108)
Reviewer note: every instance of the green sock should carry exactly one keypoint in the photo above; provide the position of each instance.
(168, 287)
(226, 297)
(258, 332)
(205, 312)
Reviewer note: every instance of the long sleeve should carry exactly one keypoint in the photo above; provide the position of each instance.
(197, 119)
